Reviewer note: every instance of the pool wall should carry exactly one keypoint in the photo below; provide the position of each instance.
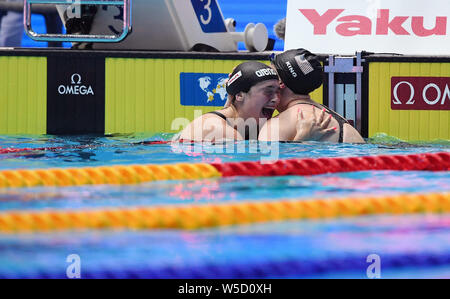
(56, 91)
(432, 121)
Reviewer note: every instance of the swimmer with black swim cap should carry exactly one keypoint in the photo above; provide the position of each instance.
(301, 73)
(253, 94)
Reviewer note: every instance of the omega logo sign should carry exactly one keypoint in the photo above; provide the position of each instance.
(420, 93)
(76, 87)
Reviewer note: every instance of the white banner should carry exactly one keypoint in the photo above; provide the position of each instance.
(415, 27)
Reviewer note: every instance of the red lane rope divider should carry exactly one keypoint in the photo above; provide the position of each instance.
(133, 174)
(419, 162)
(10, 150)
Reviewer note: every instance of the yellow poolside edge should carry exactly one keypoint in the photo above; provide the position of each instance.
(23, 95)
(149, 101)
(410, 125)
(143, 95)
(216, 215)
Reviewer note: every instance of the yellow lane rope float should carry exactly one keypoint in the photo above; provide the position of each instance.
(133, 174)
(204, 216)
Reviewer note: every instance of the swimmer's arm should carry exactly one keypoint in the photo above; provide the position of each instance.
(312, 128)
(271, 130)
(227, 133)
(292, 125)
(288, 126)
(211, 129)
(191, 132)
(264, 132)
(351, 135)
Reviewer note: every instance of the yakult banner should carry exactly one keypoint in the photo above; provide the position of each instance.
(415, 27)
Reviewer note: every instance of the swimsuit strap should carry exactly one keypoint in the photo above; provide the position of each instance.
(219, 115)
(341, 120)
(247, 133)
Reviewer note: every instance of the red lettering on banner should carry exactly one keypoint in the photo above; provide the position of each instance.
(321, 22)
(439, 29)
(360, 25)
(383, 23)
(363, 24)
(420, 93)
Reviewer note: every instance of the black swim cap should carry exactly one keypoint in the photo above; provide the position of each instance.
(300, 70)
(247, 74)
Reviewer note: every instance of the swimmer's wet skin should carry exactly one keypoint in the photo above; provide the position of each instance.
(253, 89)
(301, 73)
(249, 74)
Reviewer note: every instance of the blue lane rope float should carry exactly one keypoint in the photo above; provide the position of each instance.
(268, 269)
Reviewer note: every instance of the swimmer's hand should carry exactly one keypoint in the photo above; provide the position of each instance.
(313, 128)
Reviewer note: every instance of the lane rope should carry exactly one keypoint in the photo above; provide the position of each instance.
(217, 215)
(115, 175)
(134, 174)
(287, 267)
(419, 162)
(13, 150)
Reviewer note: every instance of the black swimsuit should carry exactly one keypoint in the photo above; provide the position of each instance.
(336, 116)
(219, 115)
(247, 133)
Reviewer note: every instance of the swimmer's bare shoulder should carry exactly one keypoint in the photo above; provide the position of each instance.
(280, 127)
(285, 122)
(307, 110)
(351, 135)
(209, 127)
(265, 132)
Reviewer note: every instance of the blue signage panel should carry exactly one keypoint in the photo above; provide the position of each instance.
(209, 16)
(202, 89)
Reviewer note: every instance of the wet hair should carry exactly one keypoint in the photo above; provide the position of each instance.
(300, 70)
(247, 74)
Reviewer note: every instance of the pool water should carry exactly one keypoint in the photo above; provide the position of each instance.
(409, 246)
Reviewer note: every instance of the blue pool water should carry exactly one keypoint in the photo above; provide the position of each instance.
(129, 149)
(409, 246)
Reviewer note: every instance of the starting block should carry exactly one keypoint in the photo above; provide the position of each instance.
(172, 25)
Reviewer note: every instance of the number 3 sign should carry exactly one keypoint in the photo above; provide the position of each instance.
(209, 16)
